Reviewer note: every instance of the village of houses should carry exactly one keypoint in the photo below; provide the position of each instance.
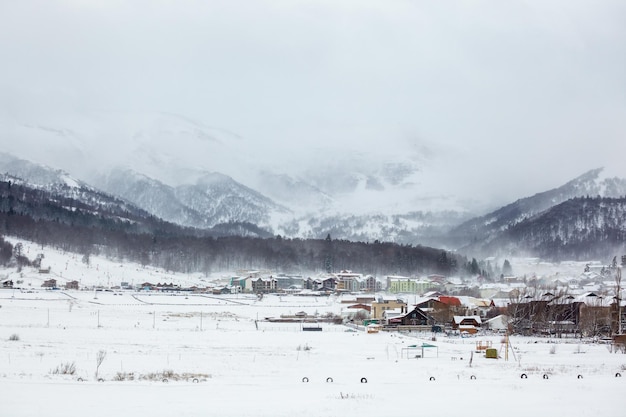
(575, 305)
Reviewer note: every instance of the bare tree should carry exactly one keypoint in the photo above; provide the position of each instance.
(595, 318)
(99, 359)
(561, 313)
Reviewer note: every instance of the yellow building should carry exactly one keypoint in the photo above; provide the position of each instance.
(379, 307)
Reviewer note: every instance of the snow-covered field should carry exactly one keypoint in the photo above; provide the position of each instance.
(219, 360)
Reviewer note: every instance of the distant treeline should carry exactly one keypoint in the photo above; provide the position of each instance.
(121, 232)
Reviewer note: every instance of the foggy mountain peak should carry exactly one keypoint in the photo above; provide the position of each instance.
(36, 174)
(177, 150)
(390, 172)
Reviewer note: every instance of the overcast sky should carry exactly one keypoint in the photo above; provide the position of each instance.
(524, 93)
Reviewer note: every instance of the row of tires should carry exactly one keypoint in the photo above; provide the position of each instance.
(364, 380)
(329, 379)
(195, 380)
(545, 376)
(432, 378)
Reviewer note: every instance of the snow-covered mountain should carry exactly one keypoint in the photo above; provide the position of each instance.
(36, 174)
(212, 199)
(198, 175)
(216, 199)
(64, 190)
(497, 229)
(158, 198)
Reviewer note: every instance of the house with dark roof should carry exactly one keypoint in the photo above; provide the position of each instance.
(50, 283)
(71, 285)
(415, 317)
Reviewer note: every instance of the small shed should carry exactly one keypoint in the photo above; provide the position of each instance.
(312, 328)
(491, 353)
(412, 349)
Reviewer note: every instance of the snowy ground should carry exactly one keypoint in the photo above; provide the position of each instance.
(249, 368)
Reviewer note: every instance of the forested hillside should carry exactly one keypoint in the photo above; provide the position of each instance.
(122, 232)
(579, 228)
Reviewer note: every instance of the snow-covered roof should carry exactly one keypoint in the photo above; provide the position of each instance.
(422, 300)
(499, 319)
(501, 302)
(591, 299)
(394, 313)
(386, 298)
(459, 319)
(432, 294)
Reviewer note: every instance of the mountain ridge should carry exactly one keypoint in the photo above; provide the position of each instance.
(219, 203)
(589, 183)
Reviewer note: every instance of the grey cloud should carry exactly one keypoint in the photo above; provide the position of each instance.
(516, 95)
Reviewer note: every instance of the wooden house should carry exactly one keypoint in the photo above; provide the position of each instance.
(71, 285)
(467, 324)
(415, 317)
(50, 283)
(442, 308)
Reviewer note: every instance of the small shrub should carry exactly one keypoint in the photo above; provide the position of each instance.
(552, 349)
(124, 376)
(352, 396)
(14, 337)
(173, 376)
(305, 348)
(67, 368)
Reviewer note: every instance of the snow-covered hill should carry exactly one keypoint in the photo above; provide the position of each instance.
(93, 271)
